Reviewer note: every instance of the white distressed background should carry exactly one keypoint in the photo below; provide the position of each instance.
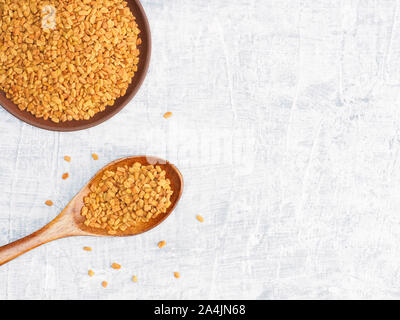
(286, 128)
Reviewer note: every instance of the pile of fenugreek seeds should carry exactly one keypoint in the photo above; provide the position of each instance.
(73, 66)
(126, 196)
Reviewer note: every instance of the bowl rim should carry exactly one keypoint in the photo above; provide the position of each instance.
(30, 119)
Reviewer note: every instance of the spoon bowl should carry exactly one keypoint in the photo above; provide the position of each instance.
(70, 222)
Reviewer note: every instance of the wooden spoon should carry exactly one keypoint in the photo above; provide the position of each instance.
(70, 222)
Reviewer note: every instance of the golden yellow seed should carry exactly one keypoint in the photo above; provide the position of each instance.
(87, 248)
(162, 244)
(177, 275)
(200, 218)
(67, 158)
(134, 279)
(116, 266)
(95, 156)
(90, 273)
(167, 115)
(104, 284)
(65, 175)
(49, 203)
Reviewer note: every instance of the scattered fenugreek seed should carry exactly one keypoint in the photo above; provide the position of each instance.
(177, 275)
(67, 158)
(162, 244)
(134, 279)
(49, 203)
(87, 248)
(95, 156)
(90, 273)
(104, 284)
(200, 218)
(167, 115)
(116, 266)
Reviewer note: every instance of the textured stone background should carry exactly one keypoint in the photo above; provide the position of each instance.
(286, 129)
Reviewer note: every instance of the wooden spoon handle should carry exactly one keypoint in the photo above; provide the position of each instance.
(60, 227)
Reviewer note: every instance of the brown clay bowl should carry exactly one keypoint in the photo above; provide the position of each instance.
(145, 53)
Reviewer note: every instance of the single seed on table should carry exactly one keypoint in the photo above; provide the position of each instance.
(65, 176)
(49, 203)
(67, 158)
(90, 273)
(162, 244)
(200, 218)
(95, 156)
(104, 284)
(177, 275)
(87, 248)
(134, 279)
(116, 266)
(167, 115)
